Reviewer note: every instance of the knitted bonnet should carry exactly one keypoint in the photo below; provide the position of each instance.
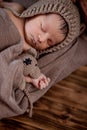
(64, 8)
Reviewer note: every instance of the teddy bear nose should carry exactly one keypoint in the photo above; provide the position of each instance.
(27, 61)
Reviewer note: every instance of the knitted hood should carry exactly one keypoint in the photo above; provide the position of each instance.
(66, 9)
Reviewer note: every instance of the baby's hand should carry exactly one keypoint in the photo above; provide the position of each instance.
(41, 82)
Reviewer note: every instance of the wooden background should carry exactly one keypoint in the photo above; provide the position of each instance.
(63, 107)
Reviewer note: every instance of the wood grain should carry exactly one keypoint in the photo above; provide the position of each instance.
(63, 107)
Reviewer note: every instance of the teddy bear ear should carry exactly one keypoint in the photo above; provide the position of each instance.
(33, 52)
(27, 61)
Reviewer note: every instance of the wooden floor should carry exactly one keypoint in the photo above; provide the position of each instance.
(63, 107)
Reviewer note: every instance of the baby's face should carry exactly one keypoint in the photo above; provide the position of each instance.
(43, 31)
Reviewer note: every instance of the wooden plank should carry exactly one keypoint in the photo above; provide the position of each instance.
(63, 107)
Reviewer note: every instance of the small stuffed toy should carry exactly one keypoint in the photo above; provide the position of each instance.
(32, 70)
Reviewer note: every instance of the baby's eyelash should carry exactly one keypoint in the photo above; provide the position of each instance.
(42, 28)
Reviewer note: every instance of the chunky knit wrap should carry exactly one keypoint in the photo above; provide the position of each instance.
(66, 9)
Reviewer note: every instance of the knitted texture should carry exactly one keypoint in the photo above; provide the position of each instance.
(66, 9)
(30, 65)
(7, 23)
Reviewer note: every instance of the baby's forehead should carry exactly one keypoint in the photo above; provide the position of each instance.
(53, 15)
(53, 18)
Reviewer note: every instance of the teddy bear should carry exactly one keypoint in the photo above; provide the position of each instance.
(31, 70)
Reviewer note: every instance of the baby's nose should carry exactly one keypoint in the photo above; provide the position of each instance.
(43, 38)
